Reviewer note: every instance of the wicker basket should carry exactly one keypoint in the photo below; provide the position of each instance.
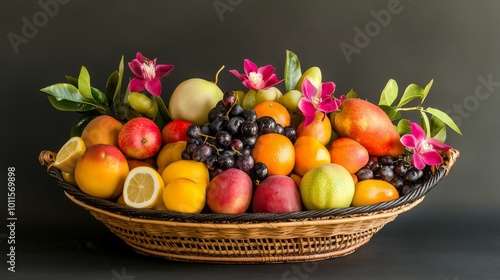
(248, 237)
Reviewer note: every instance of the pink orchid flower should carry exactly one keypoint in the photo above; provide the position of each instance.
(148, 74)
(257, 78)
(424, 149)
(320, 99)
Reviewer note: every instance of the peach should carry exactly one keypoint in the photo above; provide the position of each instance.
(103, 129)
(277, 194)
(101, 171)
(348, 153)
(230, 192)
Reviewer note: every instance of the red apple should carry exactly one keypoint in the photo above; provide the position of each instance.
(277, 194)
(140, 138)
(175, 131)
(230, 192)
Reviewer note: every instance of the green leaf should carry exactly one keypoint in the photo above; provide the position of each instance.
(425, 123)
(444, 118)
(389, 93)
(292, 70)
(99, 96)
(403, 127)
(438, 129)
(68, 105)
(162, 109)
(111, 85)
(392, 113)
(351, 94)
(117, 103)
(72, 80)
(411, 92)
(66, 97)
(426, 91)
(84, 83)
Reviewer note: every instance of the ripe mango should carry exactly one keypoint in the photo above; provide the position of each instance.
(369, 125)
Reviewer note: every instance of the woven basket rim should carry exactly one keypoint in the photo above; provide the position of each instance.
(418, 192)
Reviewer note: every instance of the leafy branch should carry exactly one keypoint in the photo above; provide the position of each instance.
(435, 126)
(77, 95)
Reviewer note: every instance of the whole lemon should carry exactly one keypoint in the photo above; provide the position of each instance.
(170, 153)
(184, 195)
(327, 186)
(187, 169)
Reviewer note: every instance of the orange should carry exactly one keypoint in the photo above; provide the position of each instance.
(373, 191)
(296, 178)
(320, 128)
(349, 153)
(309, 153)
(103, 129)
(276, 152)
(275, 110)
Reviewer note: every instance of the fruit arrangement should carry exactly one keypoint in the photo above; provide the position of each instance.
(258, 149)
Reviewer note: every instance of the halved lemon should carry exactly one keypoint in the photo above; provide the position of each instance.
(143, 188)
(69, 154)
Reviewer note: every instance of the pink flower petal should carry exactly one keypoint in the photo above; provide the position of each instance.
(417, 161)
(248, 84)
(249, 66)
(271, 82)
(135, 67)
(267, 72)
(308, 89)
(162, 70)
(438, 145)
(431, 157)
(327, 89)
(237, 74)
(153, 87)
(140, 57)
(417, 131)
(308, 110)
(136, 85)
(328, 105)
(409, 141)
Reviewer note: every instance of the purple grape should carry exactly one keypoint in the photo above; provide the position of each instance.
(245, 162)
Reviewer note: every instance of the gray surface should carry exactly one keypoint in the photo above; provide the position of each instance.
(454, 234)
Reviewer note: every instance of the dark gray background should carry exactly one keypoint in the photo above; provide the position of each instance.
(453, 234)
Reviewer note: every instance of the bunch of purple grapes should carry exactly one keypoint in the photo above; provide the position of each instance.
(397, 171)
(226, 141)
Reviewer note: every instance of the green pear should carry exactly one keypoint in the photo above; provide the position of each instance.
(193, 99)
(313, 74)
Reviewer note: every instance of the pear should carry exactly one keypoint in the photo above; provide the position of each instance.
(369, 125)
(193, 99)
(313, 74)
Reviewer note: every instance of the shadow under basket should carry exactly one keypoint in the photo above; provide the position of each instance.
(249, 237)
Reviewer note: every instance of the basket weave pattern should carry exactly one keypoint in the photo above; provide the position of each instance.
(249, 237)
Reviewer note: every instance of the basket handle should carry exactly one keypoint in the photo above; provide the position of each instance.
(450, 159)
(47, 158)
